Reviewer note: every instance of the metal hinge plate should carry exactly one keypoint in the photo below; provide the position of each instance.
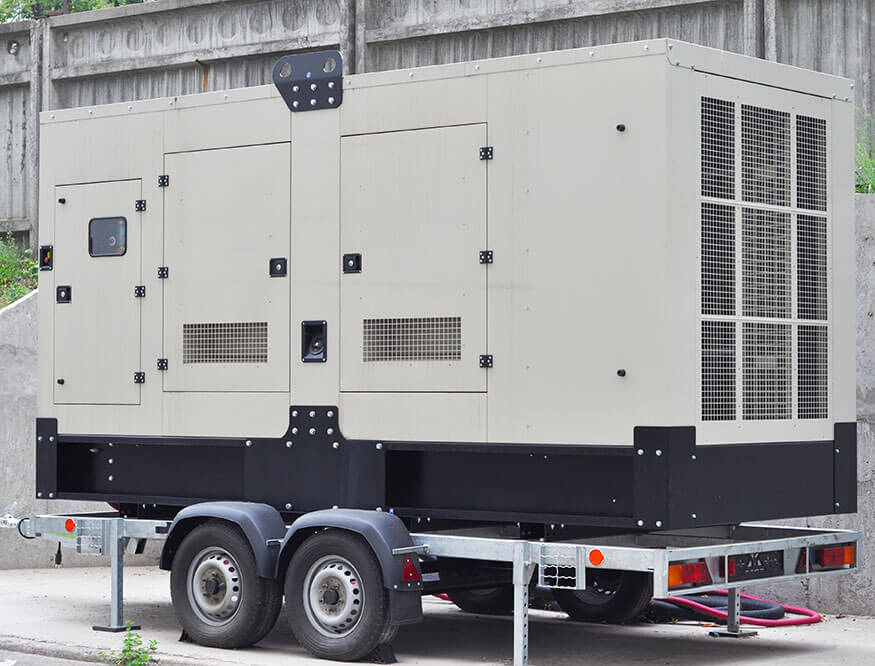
(140, 205)
(486, 152)
(163, 272)
(139, 378)
(164, 181)
(486, 256)
(162, 363)
(140, 291)
(485, 360)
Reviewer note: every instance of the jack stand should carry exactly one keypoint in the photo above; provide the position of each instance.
(114, 535)
(522, 575)
(733, 621)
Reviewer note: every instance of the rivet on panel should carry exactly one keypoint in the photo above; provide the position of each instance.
(52, 438)
(312, 413)
(110, 461)
(693, 457)
(693, 515)
(540, 60)
(130, 107)
(410, 75)
(295, 431)
(659, 452)
(646, 47)
(40, 438)
(39, 494)
(312, 102)
(640, 523)
(170, 102)
(379, 446)
(91, 113)
(640, 452)
(477, 67)
(837, 451)
(330, 431)
(296, 104)
(837, 505)
(248, 442)
(331, 84)
(52, 495)
(225, 97)
(592, 54)
(52, 116)
(335, 445)
(329, 414)
(109, 478)
(288, 506)
(670, 47)
(289, 444)
(312, 431)
(294, 413)
(313, 86)
(331, 100)
(659, 523)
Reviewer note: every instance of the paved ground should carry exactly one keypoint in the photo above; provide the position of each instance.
(50, 612)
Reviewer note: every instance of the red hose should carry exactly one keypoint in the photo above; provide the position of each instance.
(808, 616)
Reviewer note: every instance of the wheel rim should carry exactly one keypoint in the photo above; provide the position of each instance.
(334, 597)
(600, 588)
(215, 586)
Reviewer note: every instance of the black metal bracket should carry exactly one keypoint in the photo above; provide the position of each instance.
(352, 263)
(485, 360)
(64, 293)
(310, 81)
(314, 339)
(163, 272)
(162, 363)
(140, 205)
(486, 153)
(164, 181)
(486, 256)
(278, 267)
(140, 291)
(46, 257)
(139, 378)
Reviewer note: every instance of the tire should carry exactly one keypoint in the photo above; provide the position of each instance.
(350, 623)
(213, 560)
(610, 596)
(484, 601)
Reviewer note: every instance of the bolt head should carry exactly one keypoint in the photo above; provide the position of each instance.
(295, 104)
(110, 461)
(331, 100)
(109, 478)
(692, 457)
(51, 438)
(296, 88)
(294, 412)
(312, 431)
(640, 452)
(410, 75)
(329, 414)
(659, 523)
(331, 84)
(330, 431)
(313, 102)
(379, 446)
(288, 506)
(248, 442)
(51, 495)
(838, 451)
(289, 444)
(39, 438)
(335, 445)
(837, 505)
(39, 494)
(540, 60)
(658, 452)
(312, 413)
(313, 86)
(335, 507)
(640, 523)
(295, 430)
(693, 515)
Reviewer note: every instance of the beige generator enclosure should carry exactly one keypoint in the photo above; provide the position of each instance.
(596, 251)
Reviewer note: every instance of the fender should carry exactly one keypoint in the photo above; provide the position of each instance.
(260, 524)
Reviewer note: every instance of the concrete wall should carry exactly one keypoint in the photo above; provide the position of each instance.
(177, 47)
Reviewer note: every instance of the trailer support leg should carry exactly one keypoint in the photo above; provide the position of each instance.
(522, 575)
(114, 537)
(733, 619)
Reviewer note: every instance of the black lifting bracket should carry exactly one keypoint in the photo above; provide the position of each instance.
(310, 81)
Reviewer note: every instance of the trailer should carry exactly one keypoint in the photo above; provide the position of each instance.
(352, 338)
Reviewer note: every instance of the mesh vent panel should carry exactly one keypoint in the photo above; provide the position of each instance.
(412, 339)
(718, 370)
(766, 263)
(765, 156)
(718, 148)
(813, 375)
(766, 366)
(234, 342)
(810, 163)
(811, 267)
(718, 259)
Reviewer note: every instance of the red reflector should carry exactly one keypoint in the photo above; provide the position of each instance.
(69, 525)
(836, 557)
(694, 573)
(410, 572)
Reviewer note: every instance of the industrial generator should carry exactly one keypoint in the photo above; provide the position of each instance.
(606, 287)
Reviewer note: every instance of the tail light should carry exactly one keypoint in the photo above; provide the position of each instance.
(688, 573)
(835, 556)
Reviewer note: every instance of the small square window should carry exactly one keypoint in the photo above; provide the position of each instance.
(107, 236)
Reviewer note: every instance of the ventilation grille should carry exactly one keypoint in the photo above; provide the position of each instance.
(766, 362)
(811, 271)
(718, 148)
(718, 370)
(412, 339)
(234, 342)
(764, 264)
(765, 156)
(810, 163)
(813, 376)
(718, 259)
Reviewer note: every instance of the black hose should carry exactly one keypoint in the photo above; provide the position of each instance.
(666, 611)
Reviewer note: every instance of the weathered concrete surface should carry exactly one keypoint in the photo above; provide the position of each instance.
(18, 343)
(51, 612)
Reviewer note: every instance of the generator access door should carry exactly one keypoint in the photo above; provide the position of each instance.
(413, 290)
(226, 248)
(96, 315)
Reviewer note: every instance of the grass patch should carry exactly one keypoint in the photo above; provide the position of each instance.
(865, 170)
(18, 271)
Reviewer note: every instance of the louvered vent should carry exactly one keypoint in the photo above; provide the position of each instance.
(231, 342)
(412, 339)
(764, 265)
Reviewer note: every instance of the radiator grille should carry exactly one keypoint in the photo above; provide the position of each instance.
(718, 259)
(813, 375)
(718, 148)
(227, 342)
(810, 163)
(766, 363)
(718, 370)
(412, 339)
(765, 156)
(764, 264)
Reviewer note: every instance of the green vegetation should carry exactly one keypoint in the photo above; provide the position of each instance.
(134, 652)
(16, 10)
(865, 171)
(18, 271)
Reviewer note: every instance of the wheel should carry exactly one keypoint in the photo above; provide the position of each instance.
(610, 596)
(336, 602)
(218, 596)
(485, 601)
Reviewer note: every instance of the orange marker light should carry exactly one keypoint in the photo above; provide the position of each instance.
(596, 557)
(70, 525)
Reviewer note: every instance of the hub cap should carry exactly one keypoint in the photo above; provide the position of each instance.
(214, 586)
(333, 596)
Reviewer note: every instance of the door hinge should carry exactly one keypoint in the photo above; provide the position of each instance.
(486, 256)
(164, 181)
(162, 363)
(485, 360)
(140, 291)
(163, 272)
(140, 205)
(486, 152)
(139, 378)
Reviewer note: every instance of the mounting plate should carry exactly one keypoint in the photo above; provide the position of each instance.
(310, 81)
